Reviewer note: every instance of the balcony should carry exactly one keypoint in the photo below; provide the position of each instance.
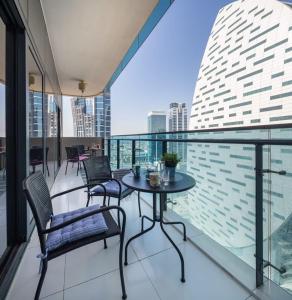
(153, 271)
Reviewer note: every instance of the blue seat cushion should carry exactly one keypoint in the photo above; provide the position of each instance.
(112, 189)
(89, 226)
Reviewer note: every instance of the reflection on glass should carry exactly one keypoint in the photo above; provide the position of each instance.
(36, 151)
(3, 227)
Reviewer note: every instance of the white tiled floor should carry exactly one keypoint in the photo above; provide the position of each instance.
(153, 272)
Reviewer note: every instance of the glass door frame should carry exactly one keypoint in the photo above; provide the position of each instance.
(15, 58)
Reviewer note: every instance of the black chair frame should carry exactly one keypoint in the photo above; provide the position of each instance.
(96, 181)
(113, 230)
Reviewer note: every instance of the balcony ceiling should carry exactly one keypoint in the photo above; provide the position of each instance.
(90, 38)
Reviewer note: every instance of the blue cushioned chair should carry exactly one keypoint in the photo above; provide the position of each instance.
(98, 170)
(70, 230)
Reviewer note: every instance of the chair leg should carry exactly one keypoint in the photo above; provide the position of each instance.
(108, 200)
(139, 205)
(88, 199)
(48, 169)
(121, 263)
(119, 222)
(77, 168)
(66, 168)
(105, 244)
(41, 281)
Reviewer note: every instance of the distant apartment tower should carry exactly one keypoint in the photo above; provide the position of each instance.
(83, 117)
(156, 124)
(52, 117)
(156, 121)
(35, 113)
(178, 117)
(245, 79)
(178, 121)
(102, 106)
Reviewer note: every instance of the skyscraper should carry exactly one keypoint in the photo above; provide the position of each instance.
(102, 104)
(83, 117)
(178, 121)
(244, 80)
(52, 117)
(35, 114)
(178, 117)
(156, 124)
(156, 121)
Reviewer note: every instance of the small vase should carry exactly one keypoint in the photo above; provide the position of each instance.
(171, 172)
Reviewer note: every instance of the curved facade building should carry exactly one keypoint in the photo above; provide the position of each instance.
(246, 72)
(245, 79)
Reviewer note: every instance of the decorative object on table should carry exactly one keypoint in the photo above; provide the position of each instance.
(136, 171)
(154, 179)
(149, 170)
(170, 161)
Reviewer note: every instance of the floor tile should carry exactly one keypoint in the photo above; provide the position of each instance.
(108, 287)
(93, 260)
(57, 296)
(204, 280)
(27, 276)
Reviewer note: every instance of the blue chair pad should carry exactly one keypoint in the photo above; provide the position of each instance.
(89, 226)
(112, 189)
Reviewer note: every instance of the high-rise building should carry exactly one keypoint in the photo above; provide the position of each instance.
(245, 79)
(52, 117)
(178, 117)
(156, 124)
(102, 106)
(36, 114)
(178, 121)
(156, 121)
(83, 117)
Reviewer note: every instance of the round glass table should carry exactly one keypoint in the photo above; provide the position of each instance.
(183, 182)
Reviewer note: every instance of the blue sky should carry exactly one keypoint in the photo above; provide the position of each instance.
(165, 68)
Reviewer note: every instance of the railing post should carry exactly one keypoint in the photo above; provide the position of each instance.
(164, 147)
(118, 154)
(164, 195)
(133, 152)
(102, 146)
(259, 213)
(109, 148)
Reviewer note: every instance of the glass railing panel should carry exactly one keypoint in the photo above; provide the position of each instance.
(222, 204)
(278, 212)
(125, 154)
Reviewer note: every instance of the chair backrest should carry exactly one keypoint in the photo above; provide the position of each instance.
(38, 197)
(72, 152)
(81, 149)
(36, 154)
(97, 169)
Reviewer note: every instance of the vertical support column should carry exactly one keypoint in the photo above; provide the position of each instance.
(102, 146)
(164, 195)
(109, 148)
(259, 213)
(133, 152)
(118, 154)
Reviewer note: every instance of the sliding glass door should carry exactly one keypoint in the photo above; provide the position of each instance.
(3, 207)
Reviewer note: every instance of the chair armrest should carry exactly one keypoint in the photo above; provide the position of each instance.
(86, 215)
(77, 188)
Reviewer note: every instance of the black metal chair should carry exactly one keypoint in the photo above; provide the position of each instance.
(98, 170)
(74, 157)
(69, 230)
(81, 150)
(36, 157)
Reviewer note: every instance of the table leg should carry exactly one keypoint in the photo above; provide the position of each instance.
(177, 223)
(142, 221)
(173, 243)
(143, 231)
